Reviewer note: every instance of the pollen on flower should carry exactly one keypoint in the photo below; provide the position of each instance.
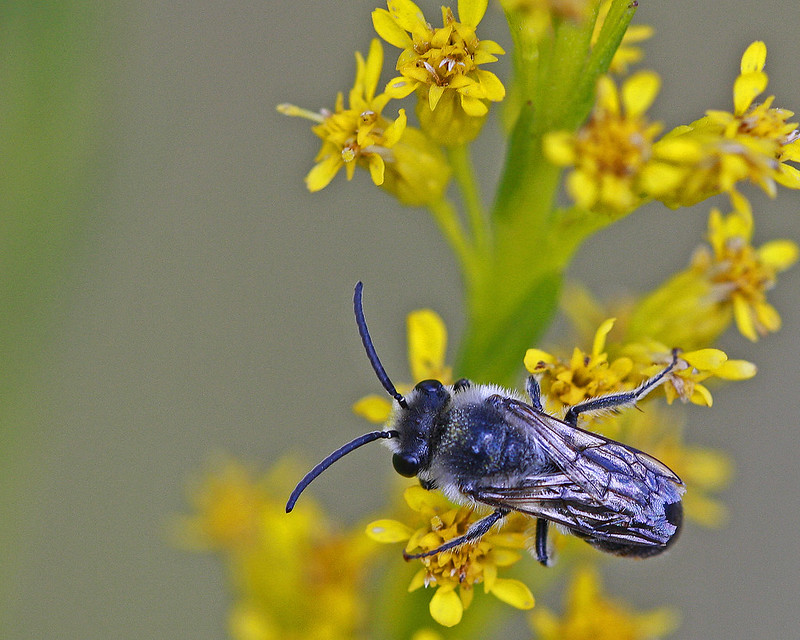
(358, 134)
(455, 573)
(444, 64)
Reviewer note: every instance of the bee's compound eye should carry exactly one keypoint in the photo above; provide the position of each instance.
(405, 465)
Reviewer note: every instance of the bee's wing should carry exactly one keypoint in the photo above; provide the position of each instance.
(602, 487)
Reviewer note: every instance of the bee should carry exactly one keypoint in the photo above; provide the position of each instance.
(482, 444)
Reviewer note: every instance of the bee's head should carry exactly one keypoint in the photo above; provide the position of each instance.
(414, 424)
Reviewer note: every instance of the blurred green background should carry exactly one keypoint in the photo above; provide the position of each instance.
(170, 290)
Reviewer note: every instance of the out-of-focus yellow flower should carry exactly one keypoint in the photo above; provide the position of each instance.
(358, 134)
(609, 152)
(443, 65)
(627, 53)
(292, 576)
(455, 573)
(538, 16)
(754, 142)
(727, 280)
(740, 274)
(427, 345)
(590, 615)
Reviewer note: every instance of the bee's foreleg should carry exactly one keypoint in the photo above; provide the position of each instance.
(475, 532)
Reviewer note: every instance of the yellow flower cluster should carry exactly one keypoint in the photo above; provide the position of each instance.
(455, 573)
(566, 382)
(590, 615)
(277, 562)
(617, 163)
(728, 279)
(444, 66)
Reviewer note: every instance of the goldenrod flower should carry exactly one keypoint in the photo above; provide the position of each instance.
(455, 573)
(566, 382)
(427, 345)
(590, 615)
(740, 274)
(355, 135)
(754, 142)
(292, 577)
(443, 65)
(610, 151)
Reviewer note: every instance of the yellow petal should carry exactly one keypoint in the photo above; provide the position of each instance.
(779, 254)
(745, 89)
(388, 531)
(372, 70)
(534, 356)
(434, 95)
(559, 148)
(374, 408)
(473, 107)
(471, 12)
(389, 30)
(427, 342)
(736, 370)
(418, 581)
(701, 396)
(407, 14)
(323, 172)
(599, 344)
(754, 57)
(513, 592)
(744, 319)
(639, 91)
(400, 87)
(495, 91)
(394, 131)
(705, 359)
(446, 607)
(376, 168)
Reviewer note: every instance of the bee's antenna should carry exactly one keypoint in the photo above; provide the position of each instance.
(371, 354)
(327, 462)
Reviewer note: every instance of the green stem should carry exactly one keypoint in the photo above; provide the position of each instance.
(446, 217)
(464, 172)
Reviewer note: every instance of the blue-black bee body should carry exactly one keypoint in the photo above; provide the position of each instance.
(486, 445)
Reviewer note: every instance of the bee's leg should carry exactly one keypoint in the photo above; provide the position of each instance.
(535, 393)
(461, 384)
(541, 542)
(620, 400)
(475, 532)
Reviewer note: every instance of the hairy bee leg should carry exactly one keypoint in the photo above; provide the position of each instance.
(619, 400)
(535, 393)
(541, 542)
(461, 384)
(476, 531)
